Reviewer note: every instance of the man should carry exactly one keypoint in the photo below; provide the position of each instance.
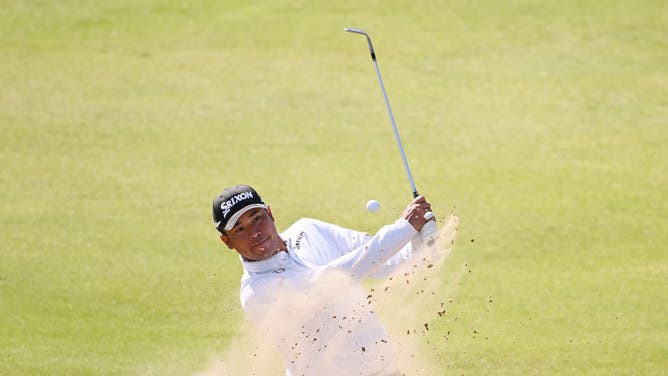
(302, 286)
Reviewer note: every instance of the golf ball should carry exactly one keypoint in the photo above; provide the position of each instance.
(372, 206)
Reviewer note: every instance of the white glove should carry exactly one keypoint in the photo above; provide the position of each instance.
(429, 231)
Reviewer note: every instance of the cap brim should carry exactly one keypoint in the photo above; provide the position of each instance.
(235, 217)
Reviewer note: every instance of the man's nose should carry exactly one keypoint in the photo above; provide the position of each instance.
(255, 233)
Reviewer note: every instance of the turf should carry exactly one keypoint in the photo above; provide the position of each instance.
(543, 125)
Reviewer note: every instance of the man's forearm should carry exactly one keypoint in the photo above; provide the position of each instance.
(385, 244)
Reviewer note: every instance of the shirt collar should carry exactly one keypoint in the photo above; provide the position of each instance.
(278, 261)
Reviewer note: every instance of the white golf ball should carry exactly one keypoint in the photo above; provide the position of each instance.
(372, 206)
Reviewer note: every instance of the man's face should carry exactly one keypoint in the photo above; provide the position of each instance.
(254, 235)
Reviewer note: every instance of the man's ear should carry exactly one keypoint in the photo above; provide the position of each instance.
(269, 212)
(226, 240)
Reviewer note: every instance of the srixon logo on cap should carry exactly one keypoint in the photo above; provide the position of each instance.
(227, 205)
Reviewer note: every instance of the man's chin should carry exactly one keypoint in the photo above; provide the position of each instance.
(262, 249)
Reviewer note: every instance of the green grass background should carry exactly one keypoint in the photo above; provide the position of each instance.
(543, 125)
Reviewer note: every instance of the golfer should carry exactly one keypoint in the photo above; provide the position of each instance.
(302, 286)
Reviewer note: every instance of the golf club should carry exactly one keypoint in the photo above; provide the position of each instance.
(429, 231)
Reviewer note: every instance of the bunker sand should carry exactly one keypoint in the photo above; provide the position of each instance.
(408, 303)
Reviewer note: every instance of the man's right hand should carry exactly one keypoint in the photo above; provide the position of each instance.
(415, 211)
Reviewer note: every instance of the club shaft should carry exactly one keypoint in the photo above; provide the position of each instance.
(396, 130)
(389, 108)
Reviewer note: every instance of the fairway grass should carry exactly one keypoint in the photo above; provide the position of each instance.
(543, 126)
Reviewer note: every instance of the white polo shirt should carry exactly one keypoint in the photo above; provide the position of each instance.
(310, 303)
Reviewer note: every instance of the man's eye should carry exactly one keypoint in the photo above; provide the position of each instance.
(257, 218)
(239, 229)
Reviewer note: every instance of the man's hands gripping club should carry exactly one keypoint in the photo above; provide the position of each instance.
(418, 213)
(415, 213)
